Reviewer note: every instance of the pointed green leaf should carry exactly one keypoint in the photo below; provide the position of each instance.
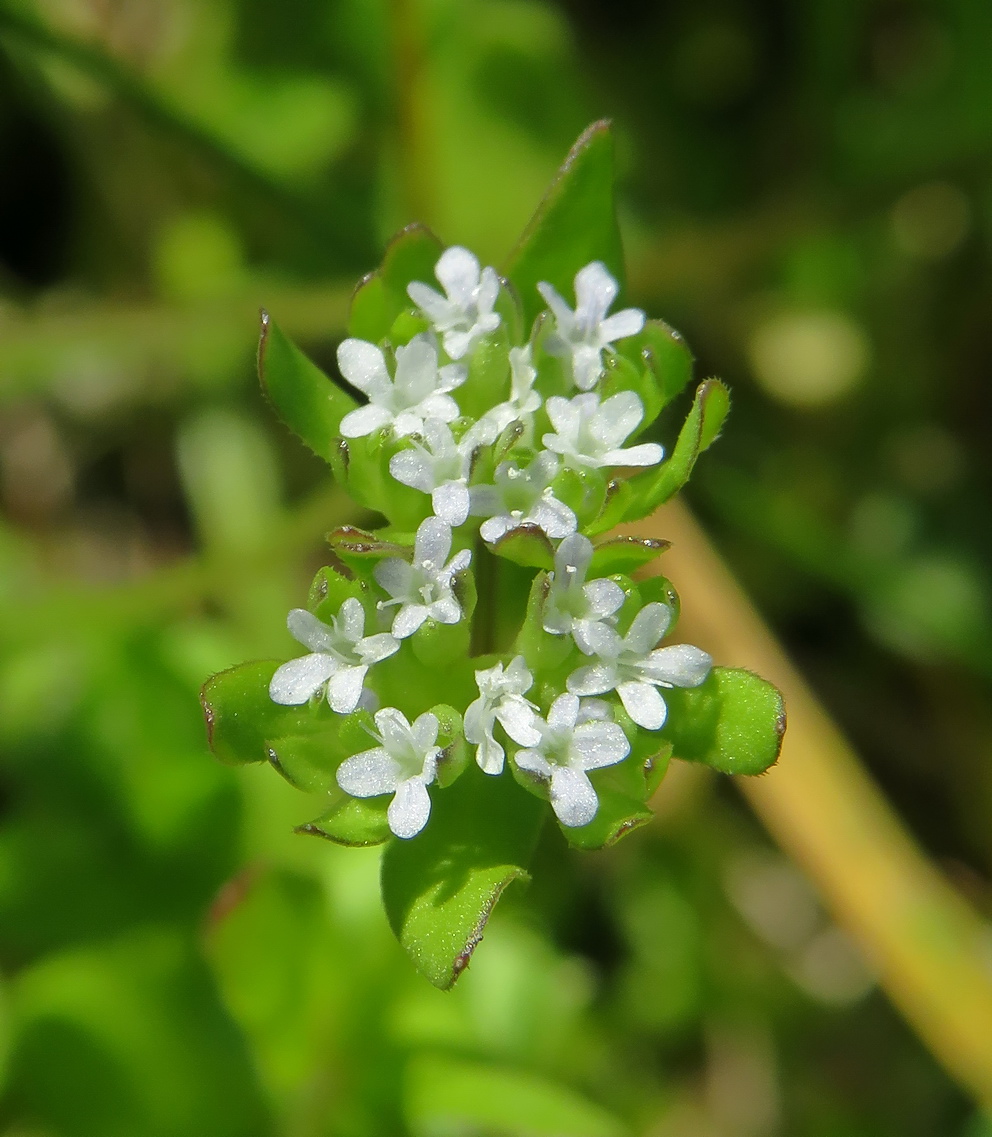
(734, 722)
(306, 400)
(241, 718)
(439, 887)
(702, 425)
(352, 821)
(618, 815)
(575, 223)
(527, 545)
(667, 357)
(625, 554)
(381, 296)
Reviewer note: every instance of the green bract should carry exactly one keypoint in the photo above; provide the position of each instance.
(484, 663)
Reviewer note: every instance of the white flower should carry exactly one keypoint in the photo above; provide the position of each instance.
(423, 588)
(573, 606)
(417, 392)
(568, 749)
(630, 667)
(340, 658)
(588, 433)
(465, 314)
(438, 466)
(523, 496)
(404, 765)
(522, 403)
(586, 332)
(501, 697)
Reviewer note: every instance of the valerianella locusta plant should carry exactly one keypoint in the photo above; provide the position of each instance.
(491, 659)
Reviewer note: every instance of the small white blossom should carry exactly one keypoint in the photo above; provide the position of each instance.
(404, 765)
(439, 466)
(423, 588)
(523, 496)
(501, 698)
(574, 607)
(417, 392)
(568, 749)
(585, 333)
(465, 314)
(635, 668)
(590, 433)
(340, 658)
(520, 406)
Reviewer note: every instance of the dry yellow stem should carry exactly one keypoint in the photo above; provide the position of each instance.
(933, 953)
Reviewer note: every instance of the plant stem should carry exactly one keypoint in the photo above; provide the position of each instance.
(933, 953)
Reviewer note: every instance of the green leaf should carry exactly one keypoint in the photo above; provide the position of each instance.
(667, 356)
(734, 722)
(575, 223)
(352, 821)
(439, 887)
(306, 400)
(618, 815)
(702, 425)
(445, 1096)
(241, 718)
(381, 296)
(527, 545)
(625, 554)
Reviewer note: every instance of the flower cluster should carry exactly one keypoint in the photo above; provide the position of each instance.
(487, 445)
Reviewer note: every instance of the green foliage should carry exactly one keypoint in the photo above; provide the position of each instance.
(574, 224)
(440, 887)
(734, 722)
(302, 395)
(472, 835)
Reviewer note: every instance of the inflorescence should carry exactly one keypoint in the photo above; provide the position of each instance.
(492, 461)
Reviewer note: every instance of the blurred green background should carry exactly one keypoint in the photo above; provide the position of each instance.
(807, 194)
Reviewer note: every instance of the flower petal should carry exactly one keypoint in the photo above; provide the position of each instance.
(458, 271)
(297, 680)
(596, 679)
(596, 744)
(351, 620)
(646, 454)
(587, 366)
(451, 502)
(621, 324)
(553, 516)
(364, 420)
(563, 713)
(308, 630)
(618, 417)
(432, 543)
(519, 722)
(373, 649)
(564, 316)
(368, 774)
(595, 291)
(394, 575)
(344, 690)
(424, 730)
(679, 665)
(413, 468)
(644, 704)
(604, 597)
(572, 797)
(410, 808)
(648, 628)
(490, 756)
(408, 619)
(364, 366)
(534, 762)
(440, 311)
